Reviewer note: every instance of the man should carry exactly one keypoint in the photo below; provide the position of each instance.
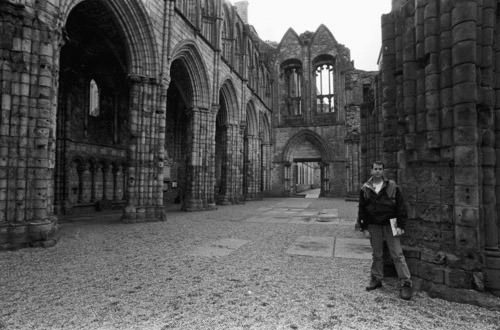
(380, 200)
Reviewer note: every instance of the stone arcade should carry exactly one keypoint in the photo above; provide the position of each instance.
(134, 105)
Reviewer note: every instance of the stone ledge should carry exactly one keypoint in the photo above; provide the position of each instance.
(463, 296)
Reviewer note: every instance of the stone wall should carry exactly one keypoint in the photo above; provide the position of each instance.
(435, 127)
(332, 137)
(56, 157)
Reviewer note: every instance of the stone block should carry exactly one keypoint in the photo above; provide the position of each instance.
(464, 11)
(465, 156)
(428, 212)
(465, 30)
(447, 213)
(466, 175)
(464, 73)
(466, 216)
(465, 92)
(466, 239)
(431, 273)
(457, 278)
(467, 195)
(464, 52)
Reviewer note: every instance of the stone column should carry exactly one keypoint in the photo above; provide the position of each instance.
(144, 172)
(230, 181)
(28, 77)
(389, 113)
(466, 153)
(201, 162)
(253, 168)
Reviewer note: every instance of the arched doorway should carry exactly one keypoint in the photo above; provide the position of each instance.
(176, 136)
(221, 151)
(307, 164)
(93, 113)
(189, 132)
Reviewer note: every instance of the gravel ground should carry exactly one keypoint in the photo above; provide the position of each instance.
(109, 275)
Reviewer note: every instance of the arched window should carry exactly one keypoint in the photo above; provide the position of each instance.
(325, 85)
(238, 51)
(292, 73)
(93, 99)
(188, 9)
(226, 40)
(250, 65)
(207, 20)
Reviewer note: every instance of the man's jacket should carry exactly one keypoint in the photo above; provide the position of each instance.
(379, 208)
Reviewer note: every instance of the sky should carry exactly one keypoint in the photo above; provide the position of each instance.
(353, 23)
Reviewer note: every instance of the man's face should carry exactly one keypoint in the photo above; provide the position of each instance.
(377, 170)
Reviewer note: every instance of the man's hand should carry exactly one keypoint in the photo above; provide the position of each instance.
(399, 231)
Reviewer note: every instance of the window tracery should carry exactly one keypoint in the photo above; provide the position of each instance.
(325, 87)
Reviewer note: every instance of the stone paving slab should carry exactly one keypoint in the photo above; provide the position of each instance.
(220, 248)
(353, 248)
(297, 203)
(330, 212)
(300, 220)
(312, 246)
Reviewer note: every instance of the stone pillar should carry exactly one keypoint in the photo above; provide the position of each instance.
(389, 113)
(466, 153)
(144, 172)
(28, 77)
(491, 144)
(253, 168)
(201, 162)
(230, 181)
(287, 176)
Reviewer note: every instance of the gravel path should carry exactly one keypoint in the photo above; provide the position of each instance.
(109, 275)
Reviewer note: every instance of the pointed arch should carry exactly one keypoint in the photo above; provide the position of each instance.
(228, 92)
(265, 128)
(252, 119)
(312, 137)
(189, 54)
(134, 22)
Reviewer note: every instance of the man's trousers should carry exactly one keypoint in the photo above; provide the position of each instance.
(379, 233)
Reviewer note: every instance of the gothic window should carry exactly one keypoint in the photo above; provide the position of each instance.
(238, 51)
(188, 9)
(325, 87)
(256, 72)
(93, 99)
(226, 40)
(250, 66)
(292, 72)
(207, 20)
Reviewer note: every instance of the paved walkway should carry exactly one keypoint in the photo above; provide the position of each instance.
(290, 263)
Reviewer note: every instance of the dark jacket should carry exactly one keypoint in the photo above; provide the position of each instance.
(379, 208)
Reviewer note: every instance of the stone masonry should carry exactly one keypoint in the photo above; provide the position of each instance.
(303, 130)
(120, 104)
(435, 125)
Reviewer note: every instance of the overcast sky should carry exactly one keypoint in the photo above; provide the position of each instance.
(354, 23)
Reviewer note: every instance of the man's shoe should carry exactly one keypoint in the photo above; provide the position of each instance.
(406, 291)
(374, 284)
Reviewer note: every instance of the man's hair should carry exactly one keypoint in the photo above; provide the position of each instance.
(378, 162)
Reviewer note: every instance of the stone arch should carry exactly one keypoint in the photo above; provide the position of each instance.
(226, 145)
(312, 137)
(265, 128)
(252, 119)
(228, 92)
(188, 53)
(134, 22)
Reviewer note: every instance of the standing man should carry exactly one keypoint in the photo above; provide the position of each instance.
(380, 200)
